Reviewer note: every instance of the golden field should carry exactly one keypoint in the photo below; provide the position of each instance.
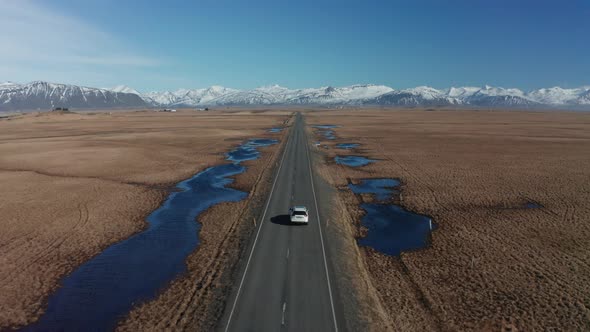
(493, 264)
(74, 183)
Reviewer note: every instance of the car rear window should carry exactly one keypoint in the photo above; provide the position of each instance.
(299, 213)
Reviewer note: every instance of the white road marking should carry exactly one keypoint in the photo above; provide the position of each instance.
(257, 234)
(283, 318)
(287, 253)
(321, 239)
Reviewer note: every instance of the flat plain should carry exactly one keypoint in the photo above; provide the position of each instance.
(74, 183)
(510, 192)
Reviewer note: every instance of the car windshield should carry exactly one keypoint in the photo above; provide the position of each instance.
(300, 213)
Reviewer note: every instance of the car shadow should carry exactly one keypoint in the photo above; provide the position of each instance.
(284, 219)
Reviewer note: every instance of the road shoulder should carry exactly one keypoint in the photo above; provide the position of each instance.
(358, 306)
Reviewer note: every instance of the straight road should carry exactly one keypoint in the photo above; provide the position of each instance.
(285, 283)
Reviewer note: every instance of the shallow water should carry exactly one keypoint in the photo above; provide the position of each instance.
(391, 229)
(347, 146)
(353, 161)
(532, 205)
(248, 150)
(275, 130)
(328, 134)
(383, 189)
(102, 290)
(326, 126)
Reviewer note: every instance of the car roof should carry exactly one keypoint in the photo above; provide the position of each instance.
(299, 208)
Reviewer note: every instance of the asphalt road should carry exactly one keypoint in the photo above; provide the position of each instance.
(285, 284)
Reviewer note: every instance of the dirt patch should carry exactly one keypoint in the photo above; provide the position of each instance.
(494, 262)
(72, 184)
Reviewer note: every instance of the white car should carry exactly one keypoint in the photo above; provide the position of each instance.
(298, 214)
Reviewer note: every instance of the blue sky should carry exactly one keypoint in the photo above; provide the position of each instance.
(166, 45)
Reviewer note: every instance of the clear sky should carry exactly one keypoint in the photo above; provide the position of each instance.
(166, 45)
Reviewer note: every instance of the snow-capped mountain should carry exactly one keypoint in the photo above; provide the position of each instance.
(43, 95)
(186, 97)
(418, 96)
(7, 85)
(124, 89)
(559, 96)
(268, 95)
(251, 97)
(584, 98)
(355, 94)
(461, 92)
(486, 96)
(498, 97)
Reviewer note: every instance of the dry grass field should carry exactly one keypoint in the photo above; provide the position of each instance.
(72, 184)
(493, 264)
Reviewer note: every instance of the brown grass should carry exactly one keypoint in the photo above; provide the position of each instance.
(72, 184)
(493, 264)
(360, 302)
(196, 301)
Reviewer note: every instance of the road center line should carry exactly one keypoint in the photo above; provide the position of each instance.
(283, 318)
(258, 233)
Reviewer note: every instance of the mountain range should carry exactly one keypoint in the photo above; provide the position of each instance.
(45, 95)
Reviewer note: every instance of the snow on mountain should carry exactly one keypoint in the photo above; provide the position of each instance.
(160, 98)
(584, 97)
(559, 96)
(499, 97)
(502, 101)
(323, 95)
(364, 91)
(6, 85)
(497, 91)
(412, 97)
(45, 95)
(202, 96)
(353, 94)
(274, 89)
(124, 89)
(461, 92)
(268, 95)
(187, 97)
(14, 96)
(425, 92)
(252, 97)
